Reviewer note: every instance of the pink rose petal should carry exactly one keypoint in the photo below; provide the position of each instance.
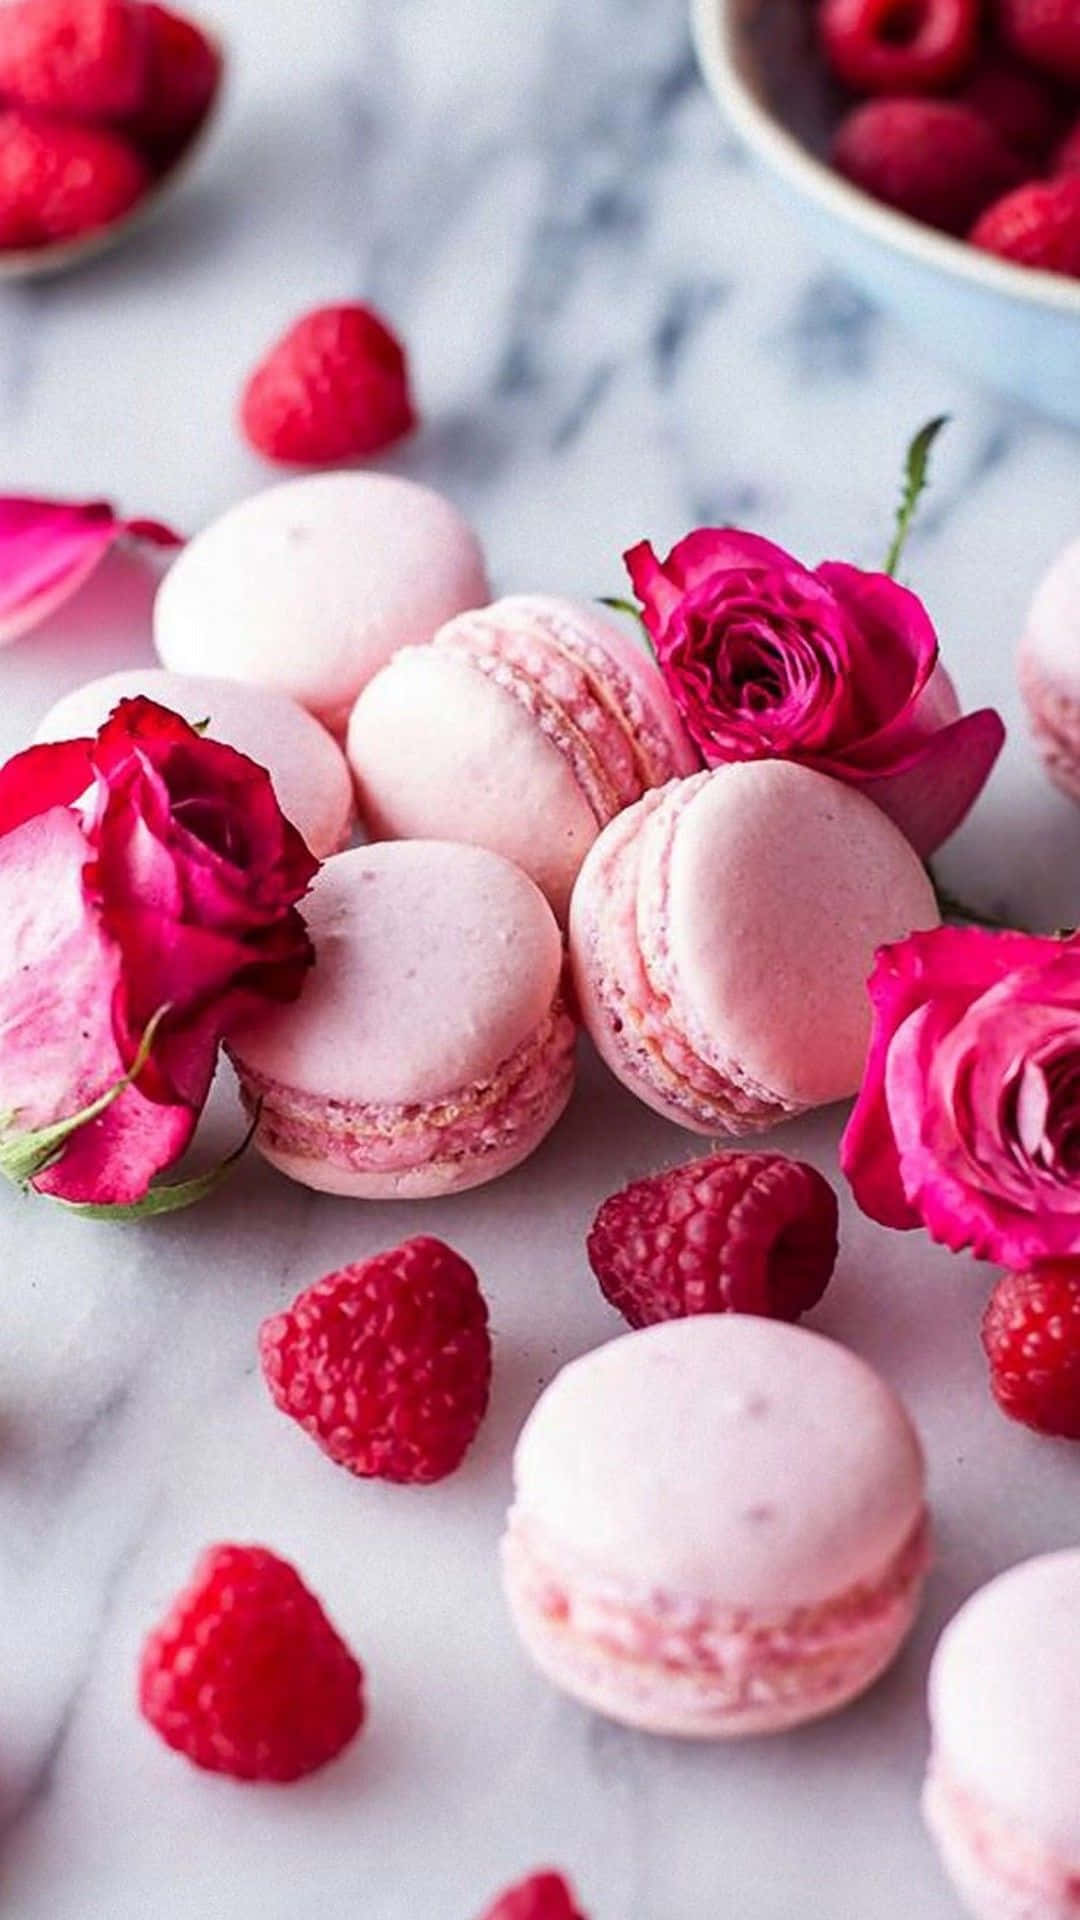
(59, 976)
(929, 794)
(49, 548)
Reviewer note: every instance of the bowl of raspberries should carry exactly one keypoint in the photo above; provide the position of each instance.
(934, 146)
(103, 107)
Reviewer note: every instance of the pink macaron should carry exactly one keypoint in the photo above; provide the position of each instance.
(1002, 1796)
(311, 585)
(308, 769)
(1049, 667)
(722, 931)
(718, 1528)
(431, 1049)
(525, 727)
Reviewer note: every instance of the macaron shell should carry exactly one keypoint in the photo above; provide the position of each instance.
(308, 769)
(768, 904)
(313, 584)
(1051, 642)
(434, 964)
(723, 1459)
(629, 1021)
(1005, 1701)
(434, 742)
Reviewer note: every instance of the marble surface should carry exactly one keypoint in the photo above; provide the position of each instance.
(616, 334)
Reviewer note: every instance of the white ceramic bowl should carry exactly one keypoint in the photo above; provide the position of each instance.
(37, 263)
(1017, 328)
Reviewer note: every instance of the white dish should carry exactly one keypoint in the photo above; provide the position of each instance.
(1018, 328)
(39, 263)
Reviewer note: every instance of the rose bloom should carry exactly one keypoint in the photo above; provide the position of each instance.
(968, 1122)
(835, 668)
(147, 869)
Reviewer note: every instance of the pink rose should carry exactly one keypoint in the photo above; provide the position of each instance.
(968, 1122)
(835, 668)
(146, 869)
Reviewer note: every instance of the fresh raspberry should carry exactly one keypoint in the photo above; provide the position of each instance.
(183, 73)
(937, 161)
(1031, 1333)
(543, 1896)
(83, 58)
(1019, 106)
(58, 181)
(736, 1233)
(335, 387)
(1046, 32)
(1037, 226)
(899, 46)
(1067, 158)
(246, 1676)
(386, 1364)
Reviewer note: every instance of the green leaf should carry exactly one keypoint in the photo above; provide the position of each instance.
(916, 478)
(621, 606)
(184, 1193)
(24, 1155)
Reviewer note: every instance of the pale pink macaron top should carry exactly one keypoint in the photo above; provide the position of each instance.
(722, 933)
(525, 727)
(307, 767)
(1005, 1709)
(723, 1460)
(311, 585)
(435, 964)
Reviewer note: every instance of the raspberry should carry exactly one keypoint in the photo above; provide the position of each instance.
(543, 1896)
(1037, 226)
(1067, 159)
(736, 1233)
(58, 181)
(933, 159)
(1031, 1333)
(85, 58)
(386, 1364)
(183, 73)
(899, 46)
(1046, 32)
(334, 387)
(246, 1675)
(1019, 106)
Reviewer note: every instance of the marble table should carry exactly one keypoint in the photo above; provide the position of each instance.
(616, 334)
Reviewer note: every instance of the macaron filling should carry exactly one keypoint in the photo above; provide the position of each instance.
(985, 1852)
(577, 693)
(740, 1664)
(1055, 726)
(636, 698)
(480, 1120)
(650, 1031)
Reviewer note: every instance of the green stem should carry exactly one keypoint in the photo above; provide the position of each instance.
(184, 1193)
(916, 479)
(951, 907)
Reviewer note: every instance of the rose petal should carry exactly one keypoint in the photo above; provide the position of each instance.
(951, 965)
(895, 660)
(48, 548)
(929, 794)
(54, 774)
(59, 973)
(703, 555)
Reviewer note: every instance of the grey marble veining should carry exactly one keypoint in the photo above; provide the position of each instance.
(616, 334)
